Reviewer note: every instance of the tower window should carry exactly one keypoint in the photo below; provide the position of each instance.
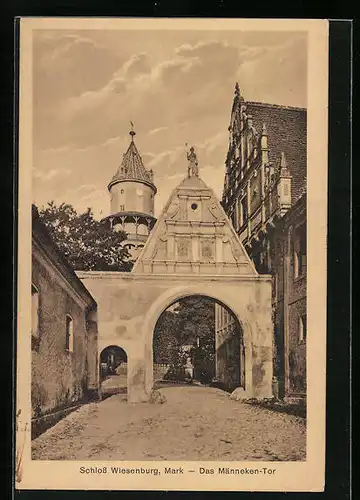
(122, 208)
(69, 336)
(122, 191)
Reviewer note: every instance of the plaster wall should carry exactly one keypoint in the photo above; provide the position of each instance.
(129, 306)
(72, 373)
(133, 196)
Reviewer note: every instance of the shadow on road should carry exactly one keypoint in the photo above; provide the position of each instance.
(297, 409)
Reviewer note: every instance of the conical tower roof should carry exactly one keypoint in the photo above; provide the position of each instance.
(132, 168)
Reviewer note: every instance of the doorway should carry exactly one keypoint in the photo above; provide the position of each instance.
(113, 370)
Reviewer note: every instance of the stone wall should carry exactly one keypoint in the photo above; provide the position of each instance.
(59, 377)
(289, 305)
(297, 349)
(230, 361)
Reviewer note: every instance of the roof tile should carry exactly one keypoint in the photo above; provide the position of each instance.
(132, 168)
(286, 129)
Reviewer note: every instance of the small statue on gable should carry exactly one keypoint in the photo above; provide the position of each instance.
(193, 168)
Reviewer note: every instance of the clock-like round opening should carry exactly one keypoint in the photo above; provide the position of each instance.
(194, 206)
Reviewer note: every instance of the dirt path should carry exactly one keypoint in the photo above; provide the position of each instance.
(196, 423)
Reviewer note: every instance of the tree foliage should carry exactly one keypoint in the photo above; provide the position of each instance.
(165, 342)
(195, 319)
(191, 322)
(86, 243)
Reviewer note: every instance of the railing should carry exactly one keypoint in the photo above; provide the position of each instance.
(160, 369)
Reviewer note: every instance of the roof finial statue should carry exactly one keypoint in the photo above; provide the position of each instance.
(193, 168)
(237, 89)
(132, 131)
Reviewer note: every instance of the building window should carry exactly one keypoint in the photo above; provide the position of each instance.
(302, 328)
(244, 211)
(233, 218)
(122, 191)
(35, 313)
(122, 208)
(69, 339)
(268, 256)
(300, 251)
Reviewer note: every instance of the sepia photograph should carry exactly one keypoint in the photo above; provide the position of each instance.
(164, 190)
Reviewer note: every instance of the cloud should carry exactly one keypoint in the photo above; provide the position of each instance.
(96, 165)
(157, 130)
(101, 91)
(275, 74)
(121, 82)
(174, 90)
(86, 92)
(213, 176)
(65, 66)
(50, 175)
(136, 65)
(168, 72)
(170, 166)
(88, 196)
(69, 64)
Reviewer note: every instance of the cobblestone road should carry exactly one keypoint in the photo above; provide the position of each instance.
(195, 423)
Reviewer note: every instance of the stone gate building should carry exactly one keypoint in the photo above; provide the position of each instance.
(192, 250)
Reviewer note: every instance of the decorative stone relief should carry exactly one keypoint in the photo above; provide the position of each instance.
(235, 249)
(227, 253)
(160, 247)
(207, 248)
(173, 210)
(215, 212)
(183, 248)
(231, 250)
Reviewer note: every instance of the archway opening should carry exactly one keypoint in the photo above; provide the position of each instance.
(113, 370)
(199, 340)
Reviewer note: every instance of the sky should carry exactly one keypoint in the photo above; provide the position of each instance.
(177, 87)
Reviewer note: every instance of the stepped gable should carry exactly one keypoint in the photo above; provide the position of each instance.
(132, 167)
(193, 235)
(286, 130)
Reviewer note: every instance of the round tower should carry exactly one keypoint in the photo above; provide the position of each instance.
(132, 191)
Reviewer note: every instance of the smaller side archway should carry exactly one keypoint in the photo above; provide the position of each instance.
(113, 369)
